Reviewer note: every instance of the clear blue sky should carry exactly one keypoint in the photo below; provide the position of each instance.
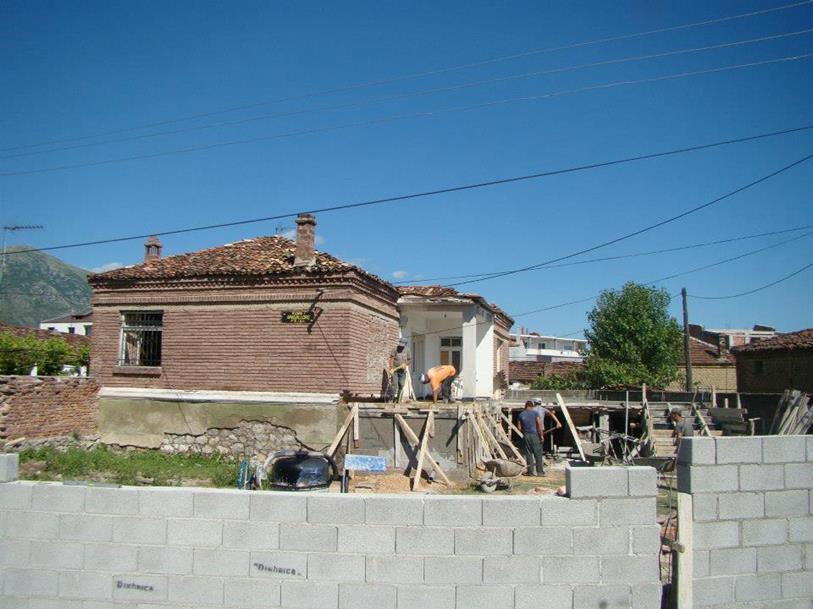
(84, 68)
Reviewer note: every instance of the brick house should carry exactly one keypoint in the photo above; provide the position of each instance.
(776, 364)
(712, 366)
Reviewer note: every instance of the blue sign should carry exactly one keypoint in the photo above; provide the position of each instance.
(365, 463)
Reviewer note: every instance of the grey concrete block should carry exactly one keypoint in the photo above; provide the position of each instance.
(779, 558)
(646, 539)
(569, 569)
(741, 505)
(163, 560)
(708, 535)
(763, 532)
(543, 540)
(56, 554)
(9, 467)
(251, 593)
(426, 597)
(800, 530)
(308, 537)
(166, 502)
(139, 588)
(809, 441)
(424, 540)
(630, 570)
(336, 509)
(401, 510)
(279, 565)
(511, 570)
(603, 541)
(453, 570)
(101, 500)
(704, 507)
(701, 563)
(762, 477)
(586, 482)
(395, 569)
(707, 478)
(697, 451)
(15, 496)
(137, 529)
(787, 503)
(110, 557)
(250, 535)
(53, 497)
(195, 590)
(310, 595)
(783, 449)
(217, 561)
(86, 527)
(85, 585)
(610, 596)
(761, 587)
(366, 539)
(485, 597)
(738, 449)
(16, 552)
(809, 557)
(32, 525)
(229, 504)
(336, 567)
(713, 591)
(279, 507)
(799, 475)
(452, 511)
(194, 532)
(643, 481)
(647, 596)
(561, 511)
(50, 603)
(367, 596)
(732, 561)
(797, 585)
(511, 511)
(618, 512)
(30, 582)
(483, 541)
(534, 596)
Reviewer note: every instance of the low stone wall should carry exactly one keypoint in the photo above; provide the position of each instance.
(72, 546)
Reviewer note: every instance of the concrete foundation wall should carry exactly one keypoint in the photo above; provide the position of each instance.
(77, 547)
(752, 521)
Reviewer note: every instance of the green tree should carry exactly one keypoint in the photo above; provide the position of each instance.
(633, 339)
(19, 354)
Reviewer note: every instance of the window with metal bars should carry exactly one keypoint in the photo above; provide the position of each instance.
(141, 338)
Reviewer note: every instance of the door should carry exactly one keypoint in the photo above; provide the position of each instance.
(451, 352)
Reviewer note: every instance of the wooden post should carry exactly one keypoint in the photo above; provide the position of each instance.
(739, 401)
(413, 439)
(416, 478)
(687, 352)
(396, 443)
(684, 554)
(354, 411)
(570, 426)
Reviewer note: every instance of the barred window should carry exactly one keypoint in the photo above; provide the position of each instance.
(141, 338)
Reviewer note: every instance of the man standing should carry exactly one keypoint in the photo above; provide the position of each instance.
(532, 424)
(441, 378)
(398, 364)
(683, 427)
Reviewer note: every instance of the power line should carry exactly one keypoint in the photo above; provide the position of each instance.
(400, 117)
(759, 289)
(460, 188)
(411, 94)
(438, 71)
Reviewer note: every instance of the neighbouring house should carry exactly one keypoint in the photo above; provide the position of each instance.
(74, 323)
(712, 366)
(524, 373)
(534, 347)
(775, 364)
(733, 337)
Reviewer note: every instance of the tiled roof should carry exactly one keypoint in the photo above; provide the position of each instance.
(76, 340)
(439, 291)
(526, 372)
(72, 317)
(706, 354)
(803, 339)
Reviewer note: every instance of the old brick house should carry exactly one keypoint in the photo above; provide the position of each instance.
(776, 364)
(712, 366)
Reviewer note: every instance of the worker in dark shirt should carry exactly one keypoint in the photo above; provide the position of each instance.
(532, 424)
(683, 426)
(398, 364)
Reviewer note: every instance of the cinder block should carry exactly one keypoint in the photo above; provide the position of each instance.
(618, 512)
(426, 597)
(50, 603)
(569, 569)
(738, 449)
(16, 552)
(137, 529)
(110, 557)
(336, 567)
(452, 511)
(603, 541)
(166, 502)
(9, 467)
(590, 597)
(279, 565)
(758, 587)
(647, 596)
(424, 540)
(172, 561)
(250, 593)
(85, 585)
(56, 555)
(194, 532)
(112, 500)
(797, 585)
(762, 477)
(763, 532)
(32, 525)
(279, 506)
(511, 570)
(713, 591)
(217, 561)
(310, 595)
(707, 478)
(799, 475)
(86, 527)
(697, 451)
(809, 557)
(709, 535)
(511, 511)
(196, 590)
(54, 497)
(783, 449)
(486, 597)
(701, 563)
(733, 561)
(139, 588)
(308, 538)
(365, 539)
(779, 558)
(584, 482)
(787, 503)
(562, 511)
(401, 510)
(741, 505)
(643, 481)
(800, 530)
(229, 504)
(646, 539)
(544, 540)
(809, 440)
(30, 582)
(395, 569)
(531, 596)
(250, 535)
(366, 596)
(483, 542)
(15, 496)
(704, 507)
(630, 570)
(453, 570)
(336, 509)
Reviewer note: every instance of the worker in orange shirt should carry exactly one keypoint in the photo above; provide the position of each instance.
(441, 378)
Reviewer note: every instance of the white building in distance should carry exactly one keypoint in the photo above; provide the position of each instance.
(534, 347)
(75, 323)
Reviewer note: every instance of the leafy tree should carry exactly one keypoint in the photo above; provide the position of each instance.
(633, 339)
(19, 354)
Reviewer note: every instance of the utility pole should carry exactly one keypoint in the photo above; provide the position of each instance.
(9, 228)
(687, 354)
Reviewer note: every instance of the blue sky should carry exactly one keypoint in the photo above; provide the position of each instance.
(80, 69)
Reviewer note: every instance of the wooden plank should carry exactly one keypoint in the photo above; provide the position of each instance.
(415, 442)
(494, 442)
(685, 558)
(356, 430)
(396, 443)
(342, 430)
(570, 426)
(416, 478)
(511, 425)
(513, 449)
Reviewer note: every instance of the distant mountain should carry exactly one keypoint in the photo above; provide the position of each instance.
(35, 286)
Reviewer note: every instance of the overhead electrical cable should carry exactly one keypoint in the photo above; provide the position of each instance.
(755, 290)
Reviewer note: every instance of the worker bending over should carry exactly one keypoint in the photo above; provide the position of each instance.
(441, 378)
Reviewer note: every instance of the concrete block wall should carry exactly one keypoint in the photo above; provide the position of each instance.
(752, 501)
(77, 547)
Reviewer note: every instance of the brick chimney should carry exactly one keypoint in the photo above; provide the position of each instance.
(305, 237)
(722, 344)
(152, 249)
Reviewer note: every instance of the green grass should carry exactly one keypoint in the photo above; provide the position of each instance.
(103, 465)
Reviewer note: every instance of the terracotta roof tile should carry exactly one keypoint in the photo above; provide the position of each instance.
(705, 354)
(803, 339)
(439, 291)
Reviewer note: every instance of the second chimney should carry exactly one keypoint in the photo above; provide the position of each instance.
(722, 344)
(305, 237)
(152, 249)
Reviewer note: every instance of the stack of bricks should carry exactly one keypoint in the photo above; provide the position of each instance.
(753, 520)
(145, 548)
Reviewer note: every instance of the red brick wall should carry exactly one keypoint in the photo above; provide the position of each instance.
(46, 407)
(780, 371)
